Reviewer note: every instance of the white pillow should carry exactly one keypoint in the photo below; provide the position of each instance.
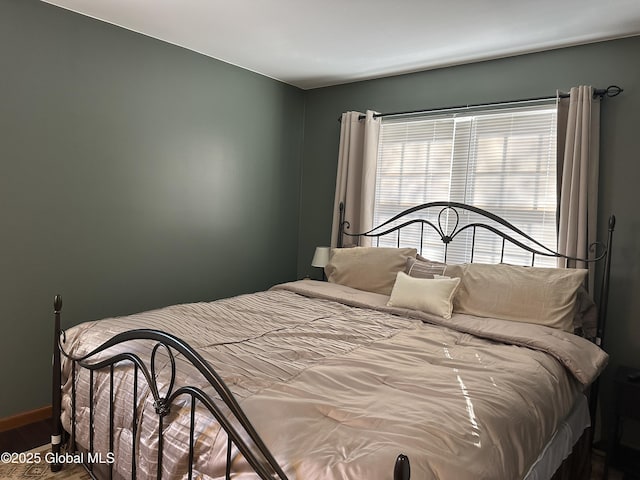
(429, 295)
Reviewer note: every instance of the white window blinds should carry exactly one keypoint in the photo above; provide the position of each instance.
(501, 160)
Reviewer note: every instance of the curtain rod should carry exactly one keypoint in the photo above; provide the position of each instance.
(610, 91)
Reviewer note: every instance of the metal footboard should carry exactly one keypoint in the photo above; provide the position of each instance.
(240, 432)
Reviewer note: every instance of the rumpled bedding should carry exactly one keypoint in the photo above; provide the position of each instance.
(337, 384)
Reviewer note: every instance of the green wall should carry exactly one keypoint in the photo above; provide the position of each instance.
(133, 174)
(533, 75)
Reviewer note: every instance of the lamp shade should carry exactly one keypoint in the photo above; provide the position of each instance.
(321, 257)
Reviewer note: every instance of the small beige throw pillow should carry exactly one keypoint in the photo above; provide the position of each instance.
(429, 295)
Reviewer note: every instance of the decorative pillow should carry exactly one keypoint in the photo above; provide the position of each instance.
(428, 295)
(421, 267)
(546, 296)
(372, 269)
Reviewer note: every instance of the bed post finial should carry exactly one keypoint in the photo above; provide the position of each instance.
(402, 470)
(56, 388)
(57, 304)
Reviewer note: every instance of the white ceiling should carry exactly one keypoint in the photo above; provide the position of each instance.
(311, 44)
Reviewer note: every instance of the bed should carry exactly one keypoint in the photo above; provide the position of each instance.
(399, 367)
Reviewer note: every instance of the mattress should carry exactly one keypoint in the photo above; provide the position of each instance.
(337, 385)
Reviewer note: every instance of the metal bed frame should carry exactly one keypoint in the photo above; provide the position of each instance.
(240, 432)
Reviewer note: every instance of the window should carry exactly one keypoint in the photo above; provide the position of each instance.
(501, 160)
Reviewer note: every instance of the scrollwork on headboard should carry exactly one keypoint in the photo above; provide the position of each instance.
(509, 233)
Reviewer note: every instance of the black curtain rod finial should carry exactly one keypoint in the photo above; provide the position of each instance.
(613, 90)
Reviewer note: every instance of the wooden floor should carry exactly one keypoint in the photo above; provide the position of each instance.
(39, 433)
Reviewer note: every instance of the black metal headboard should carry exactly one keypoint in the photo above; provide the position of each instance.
(452, 220)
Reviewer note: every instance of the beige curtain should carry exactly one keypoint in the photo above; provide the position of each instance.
(578, 160)
(356, 178)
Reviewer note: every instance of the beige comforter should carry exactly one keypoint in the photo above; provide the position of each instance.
(337, 384)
